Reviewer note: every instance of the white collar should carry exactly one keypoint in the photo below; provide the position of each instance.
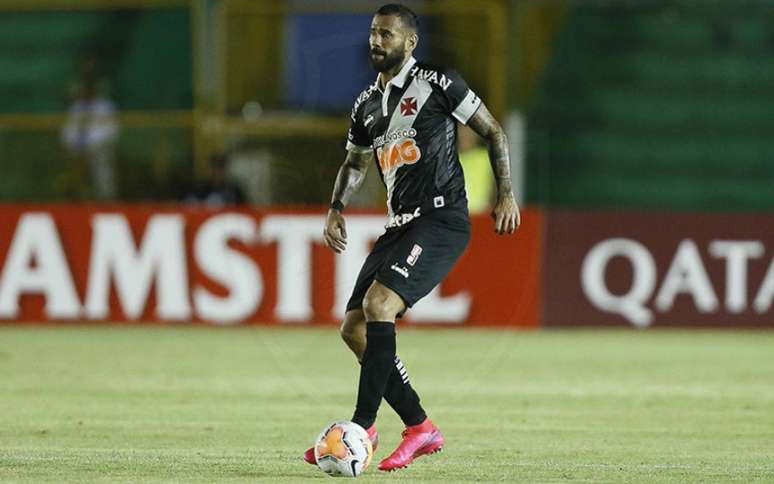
(400, 78)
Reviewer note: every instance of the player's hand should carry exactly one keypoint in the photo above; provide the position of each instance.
(335, 233)
(506, 215)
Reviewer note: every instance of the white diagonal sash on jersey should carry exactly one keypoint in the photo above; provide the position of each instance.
(420, 90)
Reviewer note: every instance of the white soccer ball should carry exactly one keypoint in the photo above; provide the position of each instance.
(343, 449)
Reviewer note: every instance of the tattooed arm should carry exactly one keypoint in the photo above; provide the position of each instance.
(349, 179)
(506, 211)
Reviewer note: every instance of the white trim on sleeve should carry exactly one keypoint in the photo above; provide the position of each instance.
(358, 149)
(467, 107)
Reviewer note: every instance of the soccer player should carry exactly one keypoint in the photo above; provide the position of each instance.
(407, 122)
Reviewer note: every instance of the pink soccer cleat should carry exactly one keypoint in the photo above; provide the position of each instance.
(418, 440)
(372, 434)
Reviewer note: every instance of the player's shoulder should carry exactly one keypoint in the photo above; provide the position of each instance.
(364, 96)
(436, 74)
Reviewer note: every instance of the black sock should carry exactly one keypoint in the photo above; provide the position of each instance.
(402, 397)
(375, 369)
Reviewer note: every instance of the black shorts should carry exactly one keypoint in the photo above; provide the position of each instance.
(412, 259)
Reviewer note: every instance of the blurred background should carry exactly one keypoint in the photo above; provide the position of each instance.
(171, 161)
(636, 104)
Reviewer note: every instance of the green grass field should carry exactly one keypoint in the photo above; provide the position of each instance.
(170, 404)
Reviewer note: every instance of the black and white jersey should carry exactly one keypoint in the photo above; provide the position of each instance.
(411, 127)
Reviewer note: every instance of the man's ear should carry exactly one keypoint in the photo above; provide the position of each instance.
(413, 41)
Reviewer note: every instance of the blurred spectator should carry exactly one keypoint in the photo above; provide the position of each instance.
(91, 130)
(218, 190)
(479, 183)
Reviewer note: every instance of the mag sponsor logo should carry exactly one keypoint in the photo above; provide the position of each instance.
(397, 148)
(395, 155)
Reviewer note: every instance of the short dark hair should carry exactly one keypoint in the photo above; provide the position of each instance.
(407, 16)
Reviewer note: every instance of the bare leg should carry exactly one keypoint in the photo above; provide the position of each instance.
(353, 332)
(381, 303)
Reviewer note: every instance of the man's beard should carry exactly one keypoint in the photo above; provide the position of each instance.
(388, 62)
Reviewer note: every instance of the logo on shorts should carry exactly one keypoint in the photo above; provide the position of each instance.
(400, 270)
(412, 258)
(403, 218)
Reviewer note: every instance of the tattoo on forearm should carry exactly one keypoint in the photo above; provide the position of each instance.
(501, 163)
(351, 176)
(486, 126)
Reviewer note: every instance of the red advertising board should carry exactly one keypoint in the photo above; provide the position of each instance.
(159, 263)
(658, 269)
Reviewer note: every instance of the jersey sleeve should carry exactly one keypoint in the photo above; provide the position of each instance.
(358, 140)
(461, 101)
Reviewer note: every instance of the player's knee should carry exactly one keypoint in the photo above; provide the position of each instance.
(352, 331)
(379, 305)
(347, 333)
(374, 306)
